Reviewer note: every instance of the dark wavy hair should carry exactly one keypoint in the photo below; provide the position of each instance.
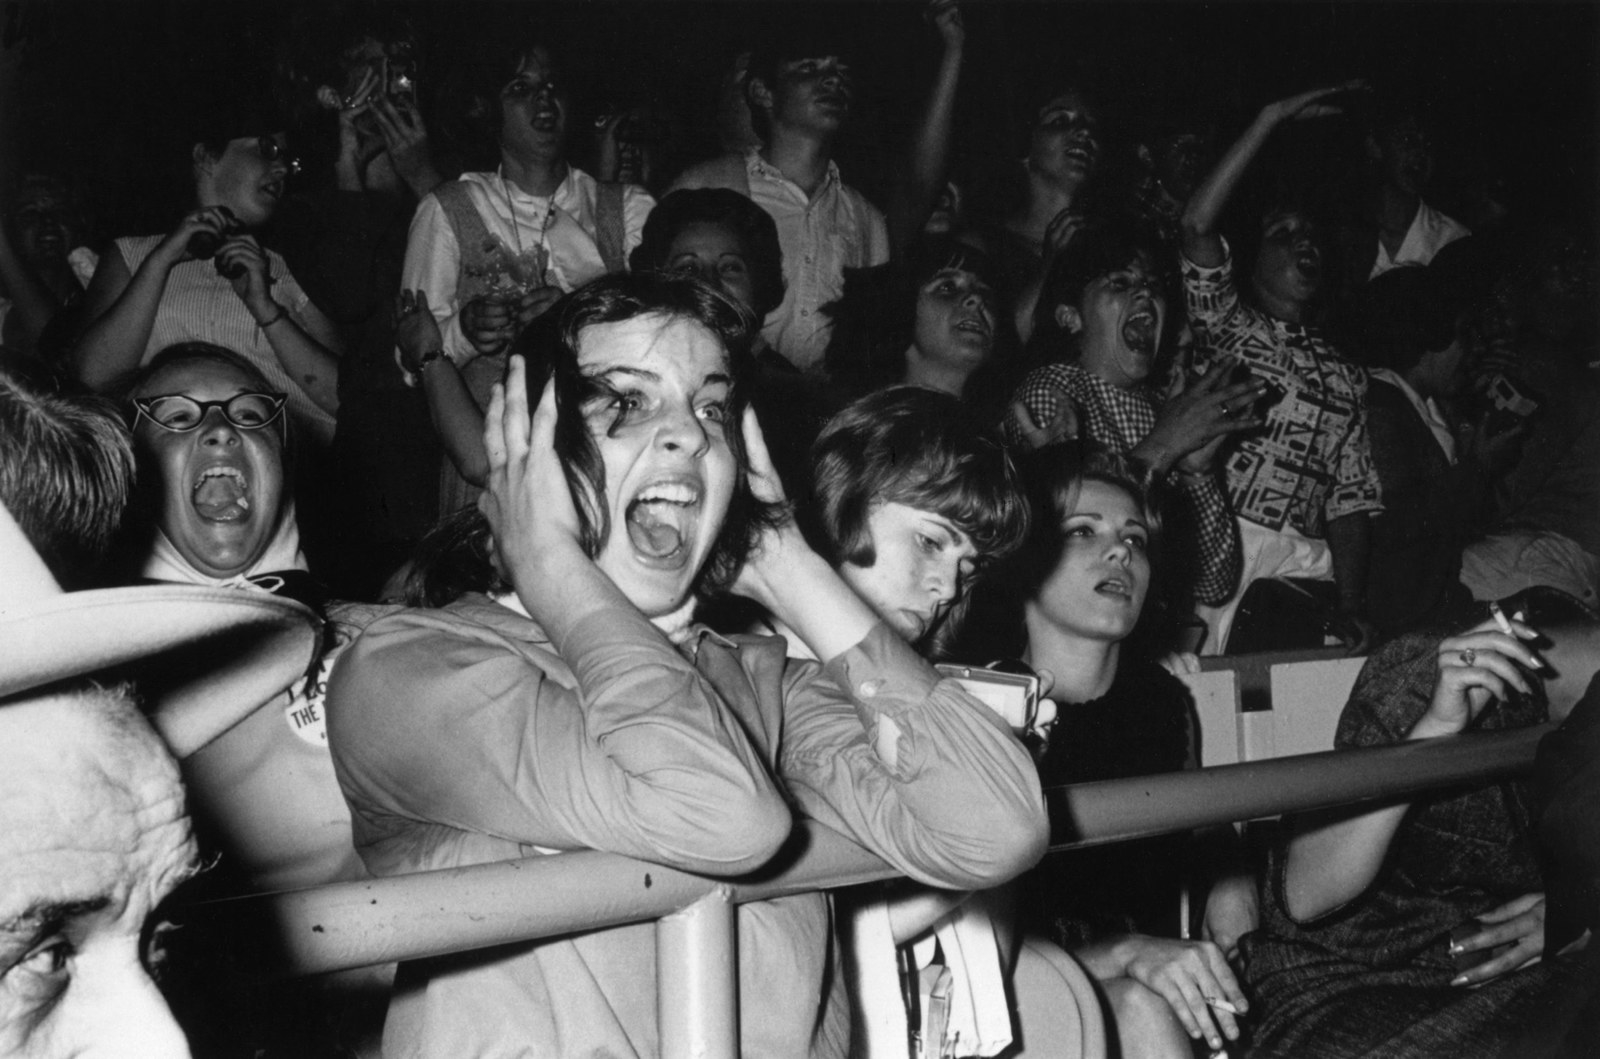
(875, 322)
(1098, 250)
(455, 557)
(752, 224)
(469, 104)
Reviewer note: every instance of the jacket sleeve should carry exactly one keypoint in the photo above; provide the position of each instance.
(878, 747)
(447, 723)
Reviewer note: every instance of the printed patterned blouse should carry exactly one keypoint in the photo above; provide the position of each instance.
(1312, 463)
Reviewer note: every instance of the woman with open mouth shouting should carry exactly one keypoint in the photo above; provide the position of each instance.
(1104, 325)
(213, 443)
(210, 280)
(1068, 603)
(563, 698)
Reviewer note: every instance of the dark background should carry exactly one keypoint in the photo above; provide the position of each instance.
(96, 88)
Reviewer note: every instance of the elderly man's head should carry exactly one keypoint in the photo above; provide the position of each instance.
(93, 836)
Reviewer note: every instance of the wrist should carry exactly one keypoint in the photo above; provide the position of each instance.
(781, 562)
(531, 563)
(347, 175)
(1431, 727)
(419, 365)
(1154, 456)
(172, 252)
(268, 314)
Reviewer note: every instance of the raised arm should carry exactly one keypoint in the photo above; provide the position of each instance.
(121, 307)
(1201, 242)
(300, 338)
(1334, 856)
(928, 154)
(456, 417)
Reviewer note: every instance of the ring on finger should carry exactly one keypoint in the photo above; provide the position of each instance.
(1469, 657)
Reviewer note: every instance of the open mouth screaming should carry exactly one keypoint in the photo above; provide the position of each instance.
(1308, 262)
(546, 117)
(1141, 330)
(221, 494)
(662, 520)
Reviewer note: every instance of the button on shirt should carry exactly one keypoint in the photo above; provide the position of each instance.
(1312, 462)
(821, 236)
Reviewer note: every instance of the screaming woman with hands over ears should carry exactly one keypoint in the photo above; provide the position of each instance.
(563, 698)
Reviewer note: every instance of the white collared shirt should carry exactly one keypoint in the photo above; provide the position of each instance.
(821, 236)
(1426, 408)
(1430, 232)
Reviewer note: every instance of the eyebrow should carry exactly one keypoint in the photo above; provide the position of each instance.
(1139, 522)
(960, 535)
(45, 917)
(650, 376)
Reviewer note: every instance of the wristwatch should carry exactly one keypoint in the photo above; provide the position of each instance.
(428, 358)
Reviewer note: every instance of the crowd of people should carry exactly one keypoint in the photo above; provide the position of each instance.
(502, 483)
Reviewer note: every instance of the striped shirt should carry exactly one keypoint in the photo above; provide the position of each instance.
(198, 305)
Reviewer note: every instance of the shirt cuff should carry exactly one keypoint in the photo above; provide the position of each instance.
(1207, 273)
(882, 674)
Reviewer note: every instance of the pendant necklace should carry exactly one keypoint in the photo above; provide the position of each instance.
(543, 227)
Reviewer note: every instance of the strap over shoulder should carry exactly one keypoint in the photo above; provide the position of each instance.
(611, 231)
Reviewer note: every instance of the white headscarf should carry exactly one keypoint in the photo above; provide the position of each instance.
(166, 563)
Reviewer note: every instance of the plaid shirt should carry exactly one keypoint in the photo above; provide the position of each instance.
(1312, 463)
(1118, 420)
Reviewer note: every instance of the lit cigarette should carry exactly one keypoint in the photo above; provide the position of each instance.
(1222, 1005)
(1499, 617)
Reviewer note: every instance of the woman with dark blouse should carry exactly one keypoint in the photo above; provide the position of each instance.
(1081, 582)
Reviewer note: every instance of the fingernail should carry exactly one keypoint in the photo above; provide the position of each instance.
(1459, 979)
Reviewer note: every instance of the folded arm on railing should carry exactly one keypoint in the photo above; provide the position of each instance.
(432, 913)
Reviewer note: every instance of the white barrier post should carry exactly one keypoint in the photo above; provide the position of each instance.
(697, 980)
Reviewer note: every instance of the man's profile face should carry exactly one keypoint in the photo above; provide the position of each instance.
(92, 837)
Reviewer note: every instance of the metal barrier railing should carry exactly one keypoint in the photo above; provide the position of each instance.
(357, 924)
